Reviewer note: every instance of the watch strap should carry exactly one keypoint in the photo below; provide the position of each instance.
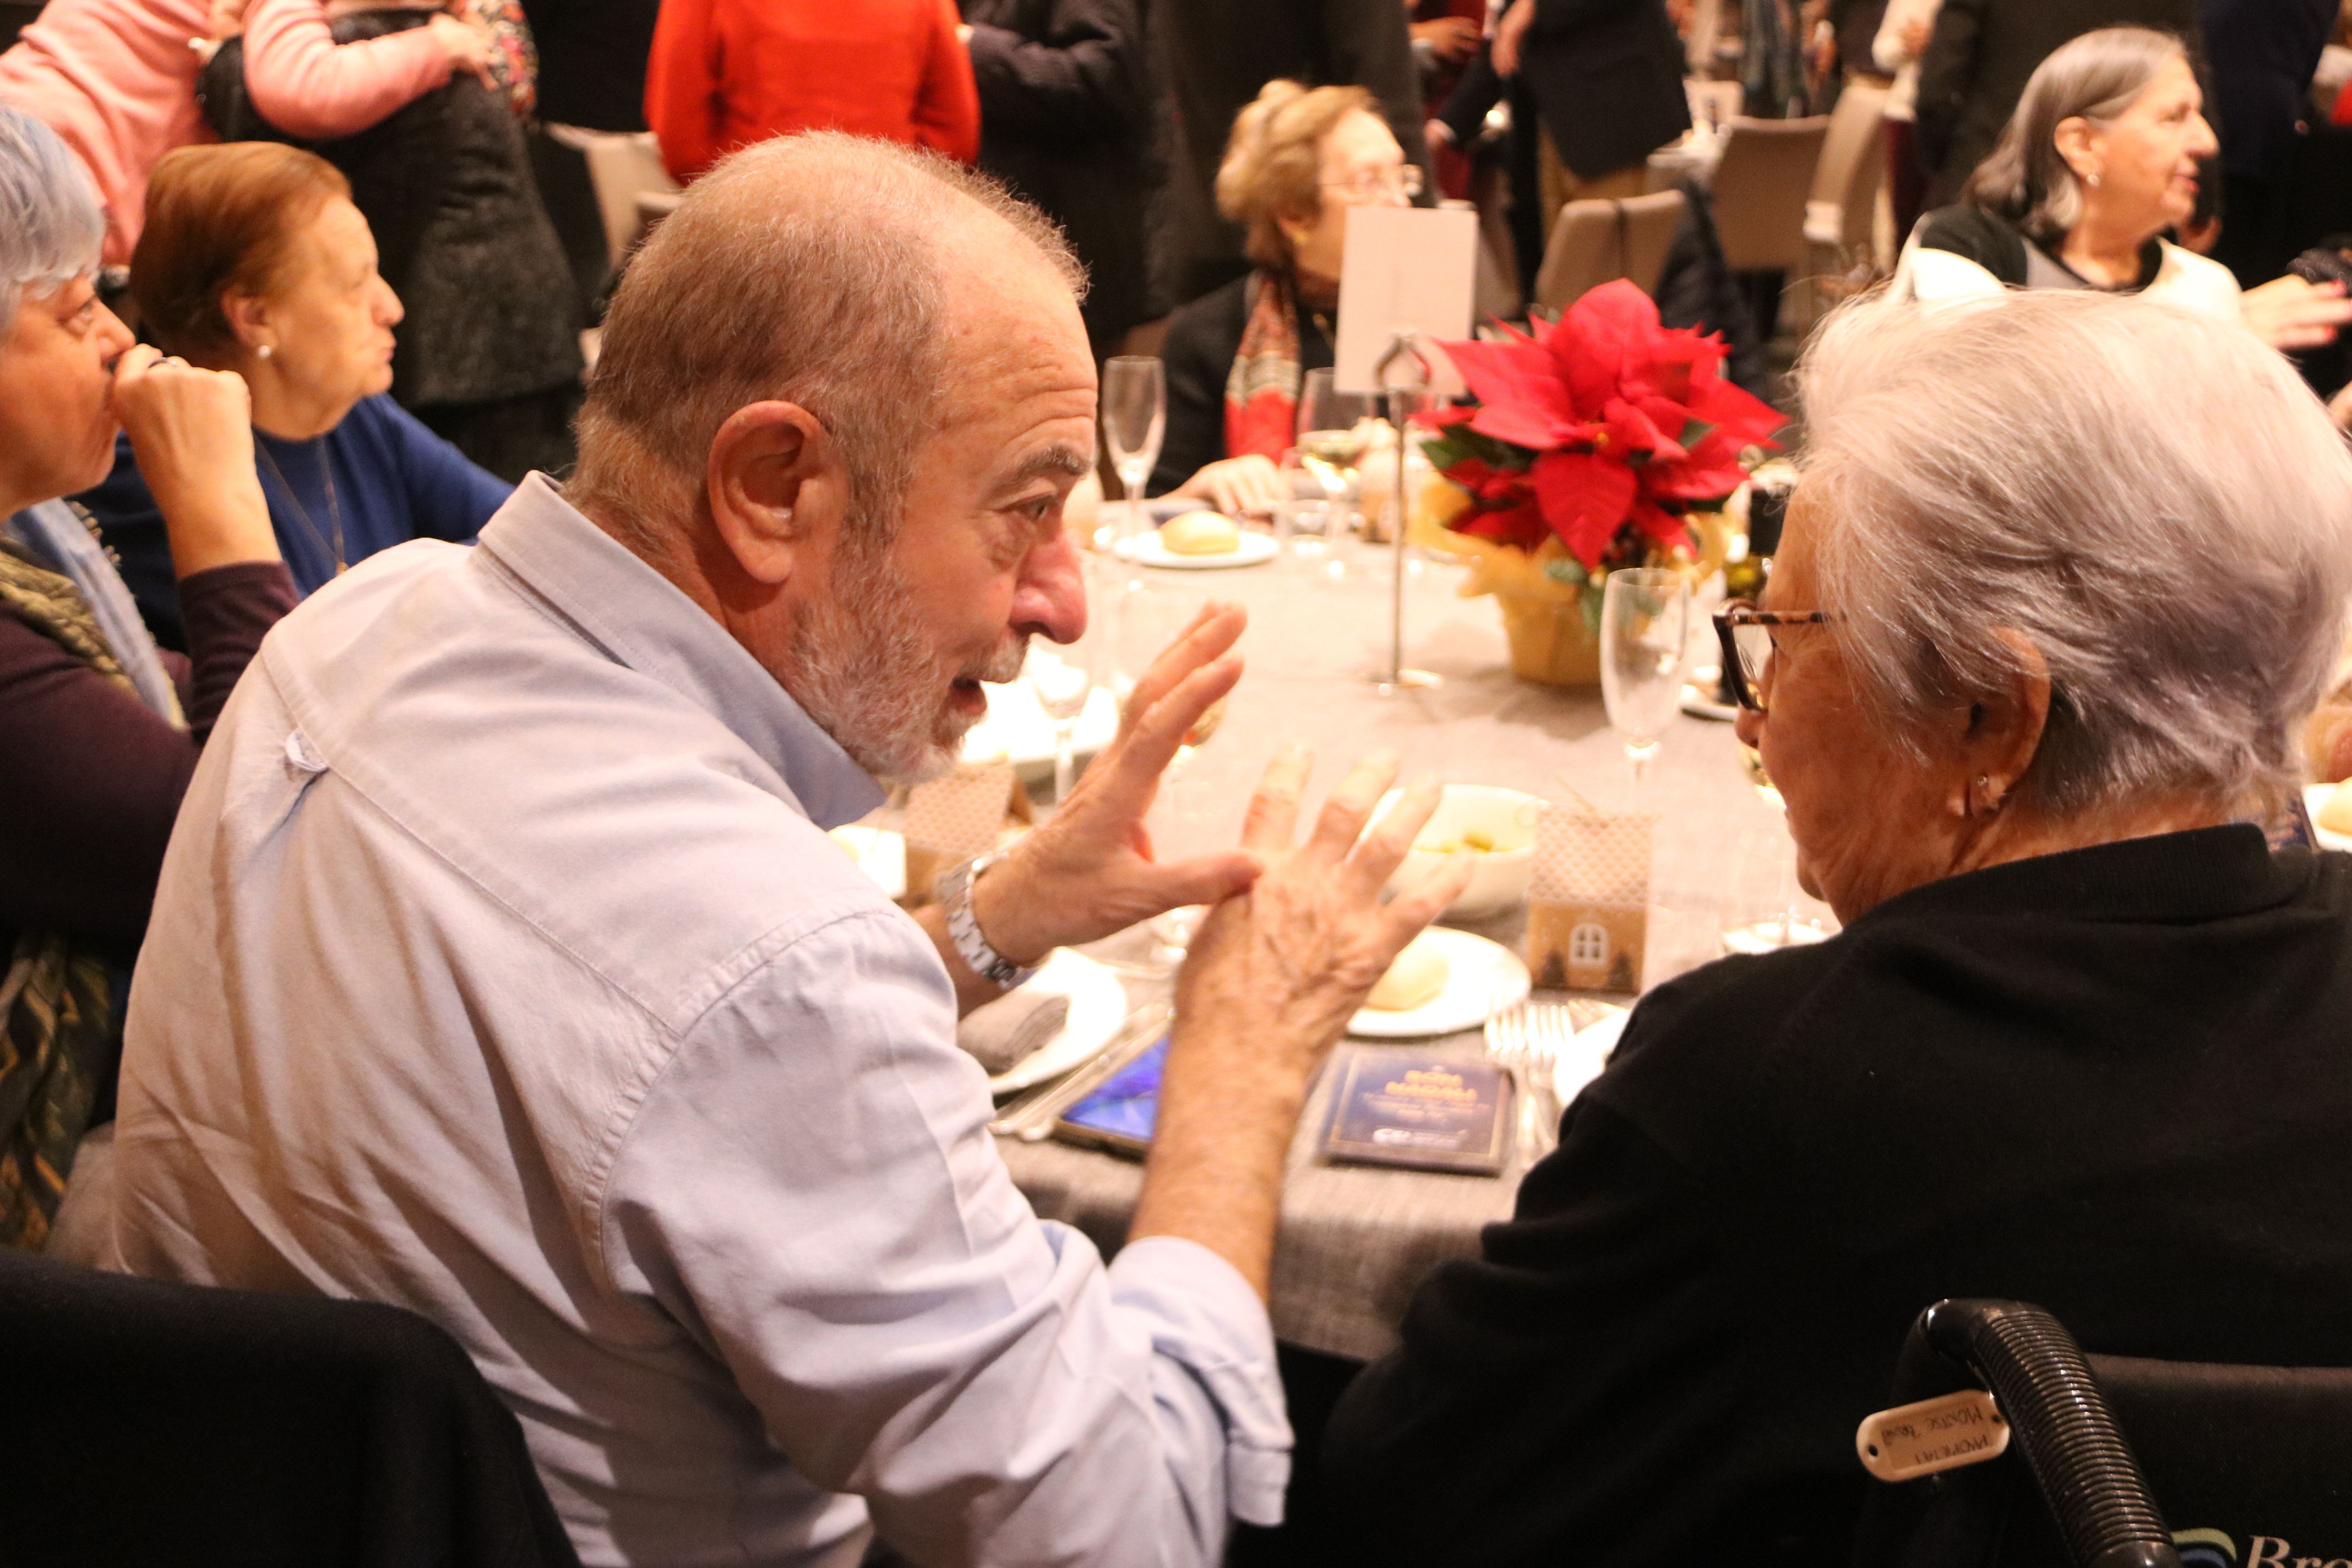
(963, 926)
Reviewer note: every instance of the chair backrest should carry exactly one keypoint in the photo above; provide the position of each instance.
(1595, 241)
(1761, 190)
(622, 165)
(1854, 163)
(2117, 1460)
(160, 1423)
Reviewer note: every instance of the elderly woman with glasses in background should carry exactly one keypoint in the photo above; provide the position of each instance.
(99, 731)
(2060, 581)
(1298, 159)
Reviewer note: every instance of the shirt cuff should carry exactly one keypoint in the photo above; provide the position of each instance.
(1206, 1318)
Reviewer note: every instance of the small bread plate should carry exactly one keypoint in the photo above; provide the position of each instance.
(1098, 1007)
(1254, 549)
(1582, 1062)
(2315, 800)
(879, 853)
(1482, 978)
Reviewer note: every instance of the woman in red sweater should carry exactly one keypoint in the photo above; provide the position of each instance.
(726, 73)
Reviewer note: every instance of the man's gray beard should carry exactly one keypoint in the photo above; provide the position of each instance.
(861, 666)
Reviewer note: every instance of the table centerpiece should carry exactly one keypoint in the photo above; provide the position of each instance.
(1599, 441)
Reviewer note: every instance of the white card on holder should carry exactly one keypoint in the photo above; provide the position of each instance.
(1413, 267)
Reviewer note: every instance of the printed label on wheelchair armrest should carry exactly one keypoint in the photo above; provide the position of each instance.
(1914, 1440)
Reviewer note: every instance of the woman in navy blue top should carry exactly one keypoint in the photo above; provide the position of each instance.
(254, 260)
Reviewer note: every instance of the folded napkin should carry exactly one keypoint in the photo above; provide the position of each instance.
(1006, 1032)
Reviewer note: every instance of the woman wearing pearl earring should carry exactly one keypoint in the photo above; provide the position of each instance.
(254, 260)
(2097, 166)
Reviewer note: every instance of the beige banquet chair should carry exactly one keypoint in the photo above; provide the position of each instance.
(1842, 217)
(623, 167)
(1595, 241)
(1761, 188)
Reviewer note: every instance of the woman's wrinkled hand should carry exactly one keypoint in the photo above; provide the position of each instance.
(2293, 312)
(1246, 486)
(1281, 968)
(192, 433)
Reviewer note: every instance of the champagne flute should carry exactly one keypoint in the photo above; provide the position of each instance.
(1645, 625)
(1062, 687)
(1134, 420)
(1151, 617)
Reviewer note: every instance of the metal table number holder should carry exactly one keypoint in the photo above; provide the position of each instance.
(1404, 377)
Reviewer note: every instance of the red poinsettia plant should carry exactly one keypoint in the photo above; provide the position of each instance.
(1602, 429)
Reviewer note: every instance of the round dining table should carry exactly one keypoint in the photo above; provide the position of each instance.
(1357, 1240)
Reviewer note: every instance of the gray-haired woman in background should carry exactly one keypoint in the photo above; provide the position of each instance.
(98, 731)
(2100, 161)
(2060, 581)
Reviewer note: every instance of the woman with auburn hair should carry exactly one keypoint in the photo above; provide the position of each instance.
(1298, 159)
(255, 260)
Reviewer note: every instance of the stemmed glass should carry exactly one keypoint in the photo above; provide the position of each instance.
(1331, 430)
(1645, 625)
(1062, 683)
(1788, 927)
(1134, 419)
(1150, 619)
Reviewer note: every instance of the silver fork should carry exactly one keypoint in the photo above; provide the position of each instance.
(1526, 1039)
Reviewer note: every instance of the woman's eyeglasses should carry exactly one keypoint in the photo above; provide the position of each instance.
(1400, 183)
(1746, 633)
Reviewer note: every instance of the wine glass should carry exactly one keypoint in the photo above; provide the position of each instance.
(1787, 925)
(1644, 624)
(1331, 430)
(1134, 419)
(1152, 616)
(1062, 683)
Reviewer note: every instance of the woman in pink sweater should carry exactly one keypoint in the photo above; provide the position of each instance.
(115, 81)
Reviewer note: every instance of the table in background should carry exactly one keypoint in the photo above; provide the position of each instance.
(1357, 1240)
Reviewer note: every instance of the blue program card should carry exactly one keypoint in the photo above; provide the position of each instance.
(1399, 1108)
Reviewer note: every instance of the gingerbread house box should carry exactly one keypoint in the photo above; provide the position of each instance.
(954, 819)
(1589, 900)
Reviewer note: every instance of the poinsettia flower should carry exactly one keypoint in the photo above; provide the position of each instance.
(1626, 422)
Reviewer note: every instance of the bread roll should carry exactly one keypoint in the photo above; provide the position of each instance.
(1200, 533)
(1417, 976)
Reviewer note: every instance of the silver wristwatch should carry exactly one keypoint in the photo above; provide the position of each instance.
(963, 926)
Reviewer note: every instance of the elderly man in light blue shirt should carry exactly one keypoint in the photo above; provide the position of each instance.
(502, 967)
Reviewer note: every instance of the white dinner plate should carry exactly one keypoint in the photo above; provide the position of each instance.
(1015, 729)
(1098, 1007)
(1482, 977)
(2314, 797)
(1255, 550)
(1586, 1055)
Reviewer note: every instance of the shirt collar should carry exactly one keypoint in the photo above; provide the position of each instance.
(640, 618)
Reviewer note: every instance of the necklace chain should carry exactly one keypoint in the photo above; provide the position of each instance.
(334, 506)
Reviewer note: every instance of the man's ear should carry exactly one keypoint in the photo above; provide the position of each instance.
(776, 485)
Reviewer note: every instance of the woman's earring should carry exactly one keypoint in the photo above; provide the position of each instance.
(2093, 179)
(265, 351)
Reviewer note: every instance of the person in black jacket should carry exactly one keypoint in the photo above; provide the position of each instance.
(2080, 1042)
(2262, 54)
(1983, 53)
(1219, 54)
(1607, 79)
(1067, 118)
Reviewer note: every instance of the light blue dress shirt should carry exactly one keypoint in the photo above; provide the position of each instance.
(501, 968)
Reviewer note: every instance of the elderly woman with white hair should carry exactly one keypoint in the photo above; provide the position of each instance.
(2060, 580)
(99, 731)
(2099, 162)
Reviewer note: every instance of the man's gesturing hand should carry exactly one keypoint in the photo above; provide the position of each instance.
(1272, 978)
(1087, 871)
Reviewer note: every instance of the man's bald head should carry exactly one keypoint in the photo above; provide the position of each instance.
(810, 269)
